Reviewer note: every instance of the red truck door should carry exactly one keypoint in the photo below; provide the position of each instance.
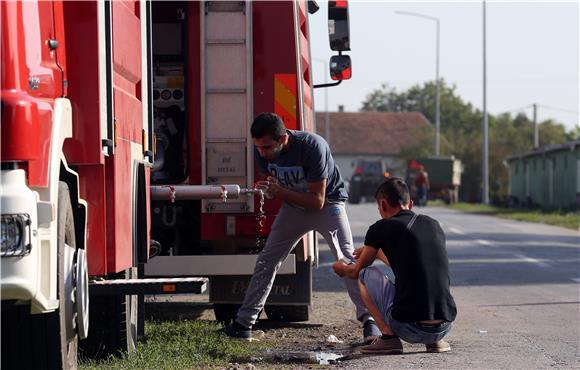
(128, 112)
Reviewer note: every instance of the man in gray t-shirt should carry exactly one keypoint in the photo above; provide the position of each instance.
(297, 167)
(305, 159)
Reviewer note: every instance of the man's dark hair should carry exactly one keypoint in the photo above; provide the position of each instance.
(395, 191)
(270, 124)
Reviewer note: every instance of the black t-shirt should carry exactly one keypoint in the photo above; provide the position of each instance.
(419, 260)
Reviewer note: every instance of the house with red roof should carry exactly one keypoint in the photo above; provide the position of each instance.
(370, 136)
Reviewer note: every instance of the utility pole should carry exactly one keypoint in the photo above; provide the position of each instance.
(536, 128)
(485, 163)
(437, 100)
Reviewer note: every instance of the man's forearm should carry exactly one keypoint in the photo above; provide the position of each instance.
(382, 257)
(306, 200)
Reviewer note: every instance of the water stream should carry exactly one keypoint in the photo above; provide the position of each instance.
(260, 219)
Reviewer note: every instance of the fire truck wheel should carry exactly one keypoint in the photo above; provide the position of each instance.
(225, 312)
(287, 313)
(113, 323)
(52, 336)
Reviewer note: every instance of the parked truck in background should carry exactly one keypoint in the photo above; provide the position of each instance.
(127, 166)
(444, 175)
(368, 175)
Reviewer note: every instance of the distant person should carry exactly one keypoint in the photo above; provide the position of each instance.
(298, 168)
(411, 300)
(422, 184)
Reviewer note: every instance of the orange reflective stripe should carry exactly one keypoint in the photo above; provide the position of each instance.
(285, 98)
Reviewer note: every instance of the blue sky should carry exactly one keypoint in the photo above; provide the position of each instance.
(532, 53)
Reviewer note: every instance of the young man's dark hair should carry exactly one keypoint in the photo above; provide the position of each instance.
(270, 124)
(395, 191)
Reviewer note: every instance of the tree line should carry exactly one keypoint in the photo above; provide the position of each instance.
(461, 133)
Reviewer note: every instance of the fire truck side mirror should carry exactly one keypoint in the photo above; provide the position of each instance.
(340, 68)
(338, 25)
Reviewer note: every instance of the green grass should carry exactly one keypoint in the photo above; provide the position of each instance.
(557, 217)
(181, 345)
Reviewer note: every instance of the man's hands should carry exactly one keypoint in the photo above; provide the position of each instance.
(311, 199)
(341, 268)
(364, 257)
(271, 187)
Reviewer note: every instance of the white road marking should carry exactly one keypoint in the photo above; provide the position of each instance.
(577, 280)
(531, 260)
(508, 260)
(456, 231)
(483, 242)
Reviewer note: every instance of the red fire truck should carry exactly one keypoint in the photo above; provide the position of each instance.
(127, 165)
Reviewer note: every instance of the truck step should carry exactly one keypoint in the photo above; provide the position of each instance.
(191, 285)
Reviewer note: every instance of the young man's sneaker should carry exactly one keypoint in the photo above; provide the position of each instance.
(370, 331)
(441, 346)
(380, 346)
(237, 331)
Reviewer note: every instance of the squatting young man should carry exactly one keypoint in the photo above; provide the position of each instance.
(411, 300)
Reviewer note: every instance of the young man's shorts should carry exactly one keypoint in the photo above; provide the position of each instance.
(380, 283)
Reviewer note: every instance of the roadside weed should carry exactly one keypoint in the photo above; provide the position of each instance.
(180, 345)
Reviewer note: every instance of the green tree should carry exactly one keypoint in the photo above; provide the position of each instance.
(461, 133)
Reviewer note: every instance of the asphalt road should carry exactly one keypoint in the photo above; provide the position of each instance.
(517, 287)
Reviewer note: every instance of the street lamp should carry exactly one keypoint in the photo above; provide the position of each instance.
(326, 116)
(437, 106)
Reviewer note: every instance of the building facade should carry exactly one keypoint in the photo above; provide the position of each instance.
(547, 177)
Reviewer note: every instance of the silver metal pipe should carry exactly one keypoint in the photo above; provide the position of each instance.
(194, 192)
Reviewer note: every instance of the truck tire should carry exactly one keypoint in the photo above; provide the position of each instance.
(354, 192)
(354, 197)
(448, 196)
(41, 341)
(287, 313)
(114, 323)
(225, 312)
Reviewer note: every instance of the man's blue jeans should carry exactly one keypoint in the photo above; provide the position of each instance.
(381, 288)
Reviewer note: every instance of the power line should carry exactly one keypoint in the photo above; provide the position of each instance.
(559, 109)
(521, 109)
(518, 109)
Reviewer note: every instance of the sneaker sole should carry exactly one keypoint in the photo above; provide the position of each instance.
(383, 352)
(439, 350)
(239, 338)
(256, 336)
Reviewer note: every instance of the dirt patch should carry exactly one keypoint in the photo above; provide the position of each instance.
(295, 345)
(332, 313)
